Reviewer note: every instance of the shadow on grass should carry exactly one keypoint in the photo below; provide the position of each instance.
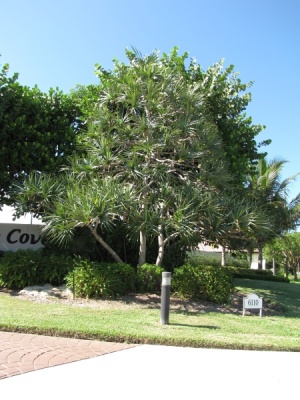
(283, 297)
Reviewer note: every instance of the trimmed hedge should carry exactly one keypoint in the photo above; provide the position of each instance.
(149, 278)
(215, 260)
(92, 279)
(258, 274)
(33, 267)
(202, 283)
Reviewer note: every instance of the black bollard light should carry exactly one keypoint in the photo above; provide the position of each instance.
(165, 297)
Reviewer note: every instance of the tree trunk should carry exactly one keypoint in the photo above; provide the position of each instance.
(143, 247)
(223, 259)
(105, 245)
(143, 235)
(260, 256)
(286, 271)
(295, 272)
(161, 247)
(249, 256)
(274, 266)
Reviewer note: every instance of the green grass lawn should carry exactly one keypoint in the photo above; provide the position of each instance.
(280, 331)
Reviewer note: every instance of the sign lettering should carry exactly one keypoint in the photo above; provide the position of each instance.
(20, 236)
(14, 236)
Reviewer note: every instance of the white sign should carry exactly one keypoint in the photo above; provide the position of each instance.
(15, 237)
(252, 301)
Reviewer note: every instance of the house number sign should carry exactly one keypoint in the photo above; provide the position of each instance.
(252, 301)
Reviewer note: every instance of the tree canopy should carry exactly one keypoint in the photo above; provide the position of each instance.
(226, 99)
(37, 130)
(285, 251)
(171, 140)
(270, 191)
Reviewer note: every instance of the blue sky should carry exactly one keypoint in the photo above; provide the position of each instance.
(56, 44)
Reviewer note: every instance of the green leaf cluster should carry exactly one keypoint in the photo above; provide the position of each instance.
(33, 267)
(164, 146)
(37, 130)
(100, 280)
(202, 282)
(149, 278)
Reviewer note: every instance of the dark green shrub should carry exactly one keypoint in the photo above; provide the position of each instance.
(21, 268)
(204, 259)
(33, 267)
(202, 282)
(149, 278)
(215, 260)
(236, 262)
(55, 266)
(91, 279)
(257, 274)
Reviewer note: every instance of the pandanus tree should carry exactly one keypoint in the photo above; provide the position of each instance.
(155, 135)
(67, 202)
(151, 130)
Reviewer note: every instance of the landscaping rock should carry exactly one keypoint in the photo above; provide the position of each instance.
(46, 290)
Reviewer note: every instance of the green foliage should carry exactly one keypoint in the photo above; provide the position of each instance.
(237, 262)
(91, 279)
(175, 252)
(33, 267)
(67, 202)
(20, 269)
(257, 274)
(226, 99)
(204, 259)
(170, 137)
(215, 260)
(202, 282)
(42, 127)
(270, 192)
(285, 251)
(55, 266)
(163, 143)
(149, 278)
(239, 268)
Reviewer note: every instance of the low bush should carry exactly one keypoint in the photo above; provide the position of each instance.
(33, 267)
(204, 259)
(149, 278)
(215, 260)
(55, 266)
(21, 268)
(258, 274)
(202, 282)
(92, 279)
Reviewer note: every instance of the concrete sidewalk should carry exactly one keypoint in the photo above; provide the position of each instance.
(163, 372)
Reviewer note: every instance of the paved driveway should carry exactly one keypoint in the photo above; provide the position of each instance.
(20, 353)
(118, 371)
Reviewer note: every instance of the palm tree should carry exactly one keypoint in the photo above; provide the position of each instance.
(271, 193)
(236, 222)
